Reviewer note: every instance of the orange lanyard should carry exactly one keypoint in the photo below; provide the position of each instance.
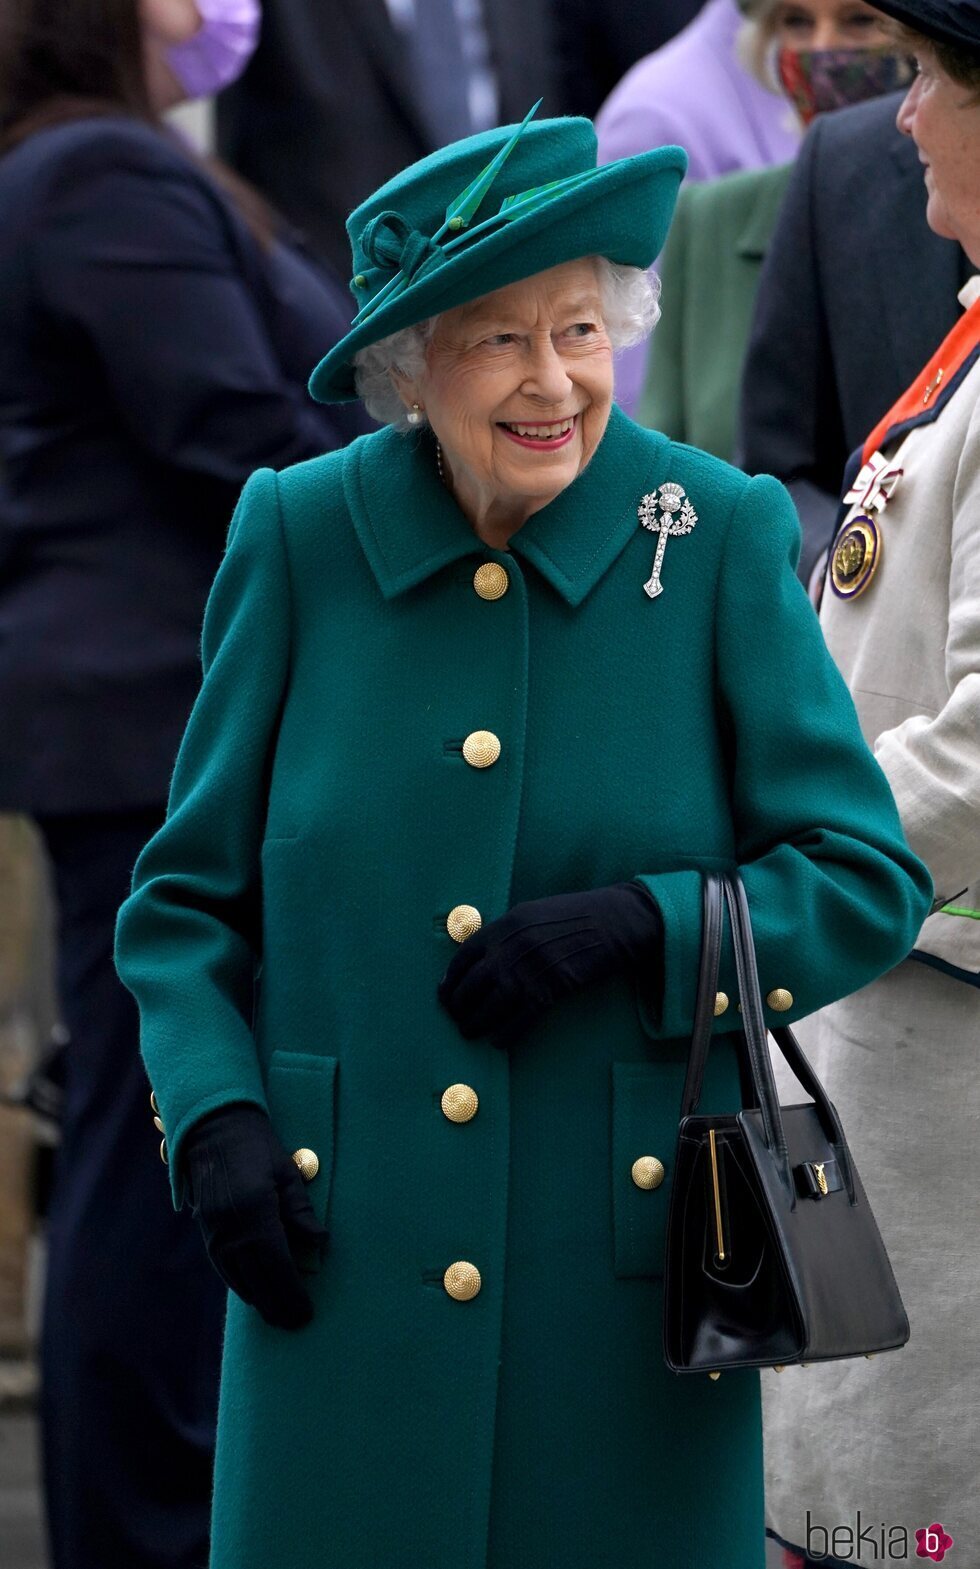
(934, 384)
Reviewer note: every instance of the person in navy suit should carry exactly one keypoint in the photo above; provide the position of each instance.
(855, 293)
(595, 45)
(341, 94)
(159, 328)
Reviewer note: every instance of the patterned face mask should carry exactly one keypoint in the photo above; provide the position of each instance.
(820, 80)
(220, 49)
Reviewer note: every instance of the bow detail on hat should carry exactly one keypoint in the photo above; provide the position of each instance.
(389, 241)
(392, 238)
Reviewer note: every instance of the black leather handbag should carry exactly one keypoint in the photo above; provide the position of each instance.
(773, 1254)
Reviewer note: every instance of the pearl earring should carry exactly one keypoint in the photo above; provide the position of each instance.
(414, 415)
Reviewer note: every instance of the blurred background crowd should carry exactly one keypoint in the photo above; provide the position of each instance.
(174, 181)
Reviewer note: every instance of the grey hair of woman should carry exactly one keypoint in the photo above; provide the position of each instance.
(630, 310)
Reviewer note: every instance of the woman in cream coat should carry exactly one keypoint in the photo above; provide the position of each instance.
(898, 1439)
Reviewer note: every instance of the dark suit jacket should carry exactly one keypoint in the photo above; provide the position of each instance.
(326, 111)
(856, 294)
(596, 42)
(151, 357)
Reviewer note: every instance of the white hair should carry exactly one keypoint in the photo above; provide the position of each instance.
(630, 310)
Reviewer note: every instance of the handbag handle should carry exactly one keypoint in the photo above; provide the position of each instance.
(799, 1065)
(757, 1040)
(754, 1024)
(754, 1034)
(704, 1006)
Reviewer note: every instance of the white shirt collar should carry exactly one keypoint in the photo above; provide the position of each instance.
(970, 292)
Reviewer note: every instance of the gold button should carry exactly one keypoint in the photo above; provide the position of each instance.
(714, 1377)
(481, 748)
(491, 580)
(163, 1152)
(462, 1280)
(159, 1125)
(307, 1162)
(648, 1172)
(721, 1003)
(460, 1102)
(462, 921)
(780, 999)
(153, 1102)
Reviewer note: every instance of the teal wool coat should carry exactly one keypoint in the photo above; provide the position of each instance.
(287, 931)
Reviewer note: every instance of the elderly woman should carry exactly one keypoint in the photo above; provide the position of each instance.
(899, 1439)
(425, 913)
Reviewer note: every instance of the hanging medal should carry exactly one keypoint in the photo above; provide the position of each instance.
(855, 558)
(855, 555)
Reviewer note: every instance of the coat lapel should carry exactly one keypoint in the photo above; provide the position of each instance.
(407, 522)
(574, 541)
(410, 527)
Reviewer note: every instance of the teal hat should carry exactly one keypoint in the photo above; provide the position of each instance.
(487, 211)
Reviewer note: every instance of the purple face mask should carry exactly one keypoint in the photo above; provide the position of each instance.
(220, 49)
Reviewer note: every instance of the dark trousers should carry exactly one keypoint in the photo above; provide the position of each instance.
(133, 1311)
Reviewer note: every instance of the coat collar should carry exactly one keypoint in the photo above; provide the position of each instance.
(937, 382)
(409, 525)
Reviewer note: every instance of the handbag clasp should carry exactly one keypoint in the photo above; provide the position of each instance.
(816, 1178)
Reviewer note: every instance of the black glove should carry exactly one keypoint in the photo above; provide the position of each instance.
(506, 975)
(259, 1226)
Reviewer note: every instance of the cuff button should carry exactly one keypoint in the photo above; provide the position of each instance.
(308, 1163)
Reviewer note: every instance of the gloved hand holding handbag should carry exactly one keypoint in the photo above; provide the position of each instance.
(260, 1228)
(508, 973)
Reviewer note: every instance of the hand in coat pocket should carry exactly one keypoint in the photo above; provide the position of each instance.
(260, 1229)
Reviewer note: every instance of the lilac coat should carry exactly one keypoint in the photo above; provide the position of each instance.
(694, 92)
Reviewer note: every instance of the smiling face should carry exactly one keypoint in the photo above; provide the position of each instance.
(944, 122)
(517, 387)
(829, 24)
